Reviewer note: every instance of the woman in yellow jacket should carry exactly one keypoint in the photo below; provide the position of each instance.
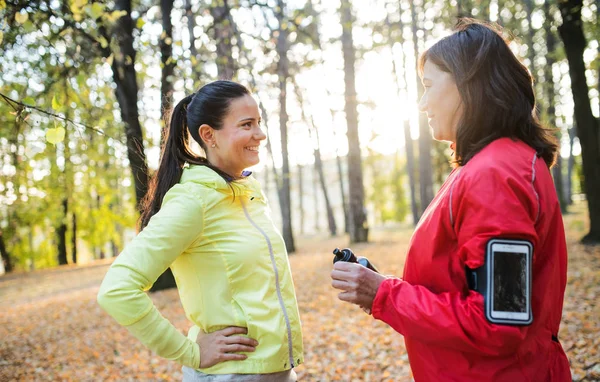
(208, 220)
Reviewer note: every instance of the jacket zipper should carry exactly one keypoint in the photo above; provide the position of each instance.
(287, 320)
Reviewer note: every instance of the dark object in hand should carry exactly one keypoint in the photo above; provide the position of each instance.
(347, 255)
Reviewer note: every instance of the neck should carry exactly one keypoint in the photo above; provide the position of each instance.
(233, 173)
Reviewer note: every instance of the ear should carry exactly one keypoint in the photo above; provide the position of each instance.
(207, 134)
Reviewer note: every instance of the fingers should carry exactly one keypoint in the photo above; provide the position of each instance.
(342, 284)
(340, 275)
(233, 330)
(348, 297)
(233, 357)
(345, 266)
(241, 340)
(238, 348)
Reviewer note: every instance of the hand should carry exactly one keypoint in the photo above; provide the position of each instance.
(359, 284)
(222, 345)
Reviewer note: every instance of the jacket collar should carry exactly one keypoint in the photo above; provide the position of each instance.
(246, 186)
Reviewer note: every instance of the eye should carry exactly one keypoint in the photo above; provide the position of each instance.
(247, 125)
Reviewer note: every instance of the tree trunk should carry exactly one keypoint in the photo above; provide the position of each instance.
(166, 59)
(283, 74)
(343, 194)
(341, 177)
(74, 238)
(359, 230)
(316, 201)
(191, 24)
(166, 280)
(550, 94)
(319, 167)
(410, 168)
(8, 265)
(277, 179)
(425, 172)
(529, 7)
(314, 132)
(300, 198)
(408, 143)
(223, 33)
(126, 91)
(571, 32)
(570, 165)
(61, 235)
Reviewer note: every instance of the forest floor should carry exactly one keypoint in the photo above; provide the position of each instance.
(52, 329)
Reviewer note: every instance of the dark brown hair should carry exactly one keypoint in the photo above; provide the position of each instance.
(209, 105)
(496, 90)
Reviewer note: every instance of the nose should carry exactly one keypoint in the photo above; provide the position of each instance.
(423, 104)
(260, 135)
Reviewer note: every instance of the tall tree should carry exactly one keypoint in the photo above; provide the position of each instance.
(223, 35)
(425, 171)
(359, 229)
(550, 111)
(166, 57)
(530, 38)
(125, 77)
(314, 133)
(571, 32)
(402, 87)
(301, 197)
(571, 164)
(340, 171)
(282, 47)
(7, 261)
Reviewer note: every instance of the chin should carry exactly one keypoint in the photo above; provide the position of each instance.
(251, 163)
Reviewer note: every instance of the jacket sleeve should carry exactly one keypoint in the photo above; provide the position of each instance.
(491, 204)
(122, 293)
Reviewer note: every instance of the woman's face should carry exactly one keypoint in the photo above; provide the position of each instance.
(441, 101)
(236, 144)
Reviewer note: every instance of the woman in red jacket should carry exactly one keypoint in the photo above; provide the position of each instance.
(479, 97)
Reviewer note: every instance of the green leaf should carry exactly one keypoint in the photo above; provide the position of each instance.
(55, 104)
(55, 135)
(140, 23)
(1, 36)
(103, 42)
(114, 15)
(29, 101)
(21, 18)
(95, 10)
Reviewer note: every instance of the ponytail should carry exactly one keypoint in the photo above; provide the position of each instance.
(175, 153)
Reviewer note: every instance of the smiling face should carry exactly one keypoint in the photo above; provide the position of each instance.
(236, 144)
(441, 101)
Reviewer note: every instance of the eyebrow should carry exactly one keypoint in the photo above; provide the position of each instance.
(249, 119)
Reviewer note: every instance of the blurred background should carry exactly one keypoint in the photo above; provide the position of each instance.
(85, 86)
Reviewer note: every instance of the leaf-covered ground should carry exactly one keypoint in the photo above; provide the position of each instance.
(52, 329)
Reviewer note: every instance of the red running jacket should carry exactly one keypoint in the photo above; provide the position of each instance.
(504, 191)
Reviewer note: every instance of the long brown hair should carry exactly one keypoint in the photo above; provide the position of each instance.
(209, 105)
(496, 90)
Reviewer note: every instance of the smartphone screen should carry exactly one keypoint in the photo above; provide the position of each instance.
(510, 282)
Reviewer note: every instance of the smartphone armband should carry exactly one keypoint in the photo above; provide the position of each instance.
(504, 280)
